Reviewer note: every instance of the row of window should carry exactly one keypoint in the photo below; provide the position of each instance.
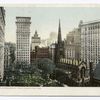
(23, 20)
(92, 27)
(23, 36)
(25, 31)
(23, 43)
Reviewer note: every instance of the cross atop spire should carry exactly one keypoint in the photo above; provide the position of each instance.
(59, 33)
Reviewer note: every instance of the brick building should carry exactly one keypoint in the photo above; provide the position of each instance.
(40, 52)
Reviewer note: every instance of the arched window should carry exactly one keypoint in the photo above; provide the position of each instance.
(82, 72)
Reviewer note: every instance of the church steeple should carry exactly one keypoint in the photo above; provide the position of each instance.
(59, 49)
(59, 33)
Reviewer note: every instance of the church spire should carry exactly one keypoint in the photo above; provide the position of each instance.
(59, 33)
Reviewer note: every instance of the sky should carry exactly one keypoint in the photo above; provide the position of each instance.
(46, 19)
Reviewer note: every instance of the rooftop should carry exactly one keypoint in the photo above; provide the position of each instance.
(23, 17)
(91, 22)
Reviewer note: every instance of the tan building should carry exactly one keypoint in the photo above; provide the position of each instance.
(35, 41)
(2, 39)
(23, 39)
(52, 38)
(72, 45)
(74, 36)
(72, 51)
(52, 51)
(90, 41)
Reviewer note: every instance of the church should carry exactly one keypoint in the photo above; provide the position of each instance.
(59, 46)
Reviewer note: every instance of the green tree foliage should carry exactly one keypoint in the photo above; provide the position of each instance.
(46, 66)
(12, 54)
(28, 80)
(36, 74)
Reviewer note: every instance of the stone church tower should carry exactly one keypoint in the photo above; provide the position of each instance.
(59, 50)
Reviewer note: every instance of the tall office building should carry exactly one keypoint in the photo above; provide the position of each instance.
(2, 34)
(52, 38)
(90, 41)
(72, 45)
(23, 39)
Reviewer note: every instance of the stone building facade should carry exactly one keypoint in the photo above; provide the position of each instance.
(72, 45)
(35, 41)
(2, 40)
(90, 41)
(23, 39)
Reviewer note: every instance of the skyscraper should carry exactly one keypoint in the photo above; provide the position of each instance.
(2, 35)
(52, 38)
(23, 39)
(72, 45)
(90, 41)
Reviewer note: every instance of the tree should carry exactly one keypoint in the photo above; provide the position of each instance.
(46, 66)
(36, 74)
